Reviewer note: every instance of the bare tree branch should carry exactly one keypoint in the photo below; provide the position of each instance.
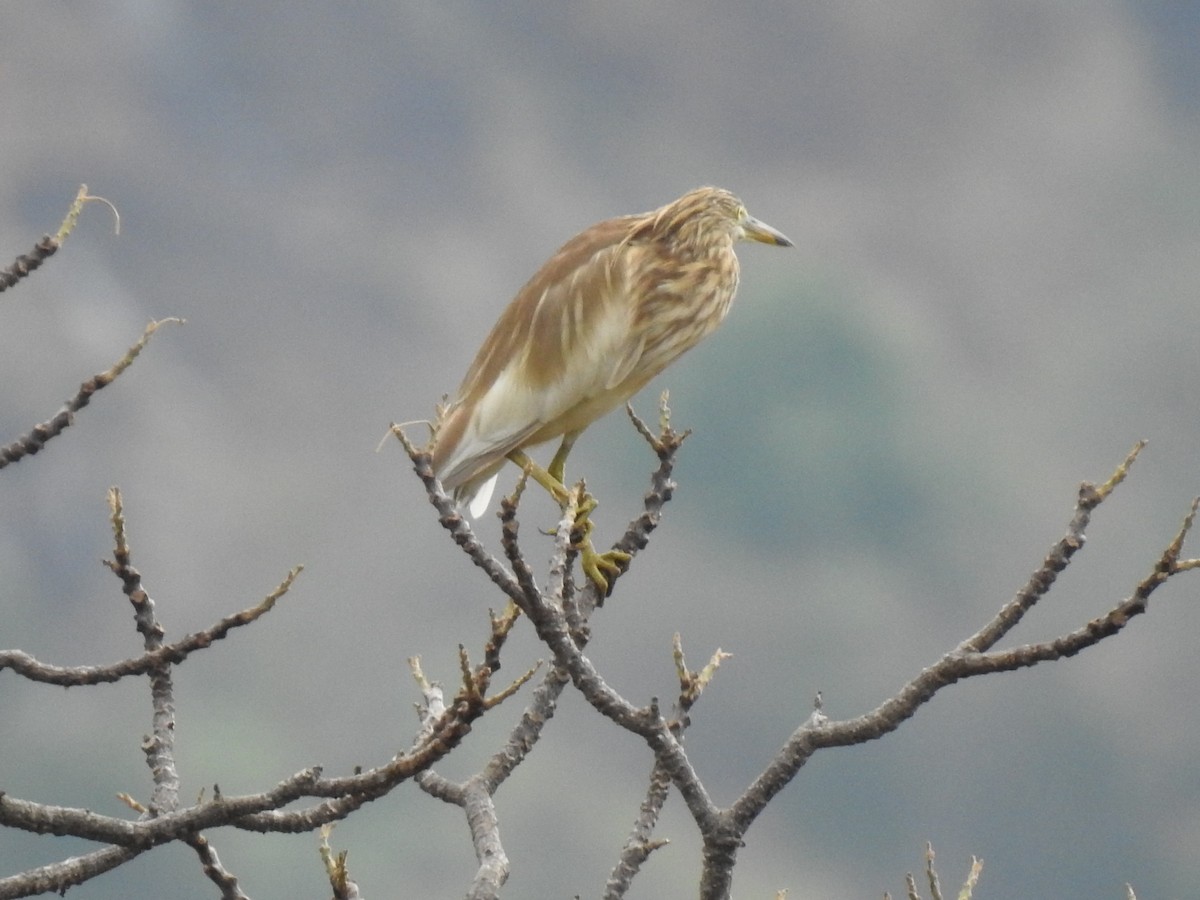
(452, 520)
(26, 263)
(723, 830)
(35, 440)
(71, 676)
(343, 886)
(560, 612)
(225, 881)
(963, 662)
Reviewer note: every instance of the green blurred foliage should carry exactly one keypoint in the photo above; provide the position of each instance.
(799, 421)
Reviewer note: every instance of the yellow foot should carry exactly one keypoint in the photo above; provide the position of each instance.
(596, 565)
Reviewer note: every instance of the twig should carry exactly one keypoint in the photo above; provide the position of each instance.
(213, 869)
(453, 522)
(35, 440)
(48, 246)
(159, 746)
(342, 884)
(73, 676)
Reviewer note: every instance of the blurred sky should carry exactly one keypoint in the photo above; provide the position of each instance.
(997, 213)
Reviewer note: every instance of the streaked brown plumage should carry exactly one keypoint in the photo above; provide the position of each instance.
(610, 310)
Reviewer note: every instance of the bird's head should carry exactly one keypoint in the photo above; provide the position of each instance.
(711, 215)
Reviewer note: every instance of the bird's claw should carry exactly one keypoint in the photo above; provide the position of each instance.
(601, 568)
(583, 509)
(611, 561)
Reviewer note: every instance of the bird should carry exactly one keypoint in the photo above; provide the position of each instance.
(616, 305)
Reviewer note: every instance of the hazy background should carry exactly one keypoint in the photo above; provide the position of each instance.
(996, 208)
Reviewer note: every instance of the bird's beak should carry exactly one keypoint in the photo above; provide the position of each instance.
(755, 230)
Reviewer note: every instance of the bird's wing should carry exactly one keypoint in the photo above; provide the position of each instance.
(567, 337)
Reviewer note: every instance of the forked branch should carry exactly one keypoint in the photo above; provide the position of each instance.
(723, 830)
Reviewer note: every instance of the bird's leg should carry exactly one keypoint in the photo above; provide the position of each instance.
(553, 485)
(594, 564)
(559, 463)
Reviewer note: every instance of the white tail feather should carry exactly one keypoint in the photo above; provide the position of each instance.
(478, 504)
